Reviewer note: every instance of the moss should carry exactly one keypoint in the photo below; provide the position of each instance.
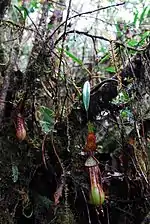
(65, 216)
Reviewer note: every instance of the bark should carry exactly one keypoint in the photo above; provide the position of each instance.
(4, 4)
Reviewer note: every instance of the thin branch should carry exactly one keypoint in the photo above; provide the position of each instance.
(85, 13)
(82, 33)
(96, 37)
(58, 158)
(37, 28)
(96, 10)
(46, 90)
(43, 151)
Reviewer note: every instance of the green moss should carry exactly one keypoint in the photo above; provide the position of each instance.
(65, 216)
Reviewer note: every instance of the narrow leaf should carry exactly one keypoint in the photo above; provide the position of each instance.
(135, 18)
(86, 95)
(142, 17)
(110, 69)
(105, 58)
(73, 57)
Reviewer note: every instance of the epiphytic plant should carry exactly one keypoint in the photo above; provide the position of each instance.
(96, 195)
(20, 127)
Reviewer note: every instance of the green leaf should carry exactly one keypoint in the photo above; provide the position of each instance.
(20, 15)
(132, 42)
(110, 69)
(148, 14)
(142, 17)
(105, 58)
(73, 57)
(34, 4)
(125, 96)
(143, 37)
(124, 113)
(135, 18)
(122, 97)
(86, 95)
(50, 26)
(102, 49)
(25, 12)
(46, 119)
